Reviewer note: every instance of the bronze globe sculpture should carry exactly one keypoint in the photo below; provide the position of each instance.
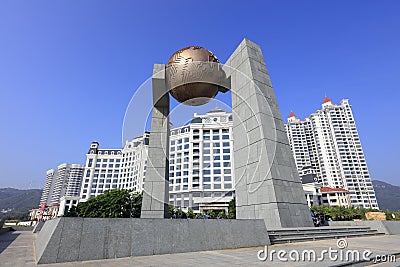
(194, 76)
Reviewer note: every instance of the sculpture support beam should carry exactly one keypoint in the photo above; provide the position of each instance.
(156, 190)
(267, 182)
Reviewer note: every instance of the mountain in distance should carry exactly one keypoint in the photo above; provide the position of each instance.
(18, 201)
(388, 195)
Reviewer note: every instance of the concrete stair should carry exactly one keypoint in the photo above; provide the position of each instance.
(301, 234)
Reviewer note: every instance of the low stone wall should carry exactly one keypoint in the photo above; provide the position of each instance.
(386, 227)
(392, 227)
(78, 239)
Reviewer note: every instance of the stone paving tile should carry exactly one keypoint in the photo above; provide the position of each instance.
(16, 249)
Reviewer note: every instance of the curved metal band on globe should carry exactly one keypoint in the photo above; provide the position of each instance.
(194, 76)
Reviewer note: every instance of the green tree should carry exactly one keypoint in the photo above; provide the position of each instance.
(211, 213)
(72, 212)
(232, 209)
(190, 214)
(180, 213)
(170, 211)
(116, 203)
(222, 214)
(349, 213)
(136, 207)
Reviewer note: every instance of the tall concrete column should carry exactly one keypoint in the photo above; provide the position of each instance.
(156, 191)
(267, 182)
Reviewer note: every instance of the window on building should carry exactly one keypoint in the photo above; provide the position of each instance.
(217, 186)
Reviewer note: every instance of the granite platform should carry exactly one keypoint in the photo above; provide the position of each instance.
(70, 239)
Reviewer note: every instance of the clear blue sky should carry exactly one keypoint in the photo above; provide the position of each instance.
(68, 69)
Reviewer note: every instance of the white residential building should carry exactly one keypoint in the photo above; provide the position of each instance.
(67, 181)
(48, 187)
(61, 184)
(335, 197)
(327, 144)
(312, 189)
(66, 202)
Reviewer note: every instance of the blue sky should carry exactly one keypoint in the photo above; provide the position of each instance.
(69, 69)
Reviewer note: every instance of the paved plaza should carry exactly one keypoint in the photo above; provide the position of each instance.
(16, 249)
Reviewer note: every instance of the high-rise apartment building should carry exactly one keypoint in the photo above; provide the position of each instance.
(327, 144)
(68, 181)
(48, 187)
(65, 181)
(62, 189)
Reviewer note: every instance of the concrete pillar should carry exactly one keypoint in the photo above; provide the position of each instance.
(267, 182)
(156, 191)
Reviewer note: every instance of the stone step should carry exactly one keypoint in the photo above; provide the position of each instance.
(313, 238)
(287, 235)
(314, 229)
(321, 232)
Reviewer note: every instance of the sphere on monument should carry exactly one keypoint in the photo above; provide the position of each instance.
(193, 75)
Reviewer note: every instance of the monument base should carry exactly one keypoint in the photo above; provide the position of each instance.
(69, 239)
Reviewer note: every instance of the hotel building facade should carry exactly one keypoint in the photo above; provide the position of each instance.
(108, 169)
(200, 164)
